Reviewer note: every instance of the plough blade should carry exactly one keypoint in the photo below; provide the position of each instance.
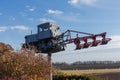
(104, 42)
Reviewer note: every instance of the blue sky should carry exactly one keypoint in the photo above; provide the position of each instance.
(19, 17)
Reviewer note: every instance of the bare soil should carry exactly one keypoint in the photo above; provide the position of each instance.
(109, 76)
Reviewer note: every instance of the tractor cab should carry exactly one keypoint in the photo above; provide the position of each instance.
(48, 30)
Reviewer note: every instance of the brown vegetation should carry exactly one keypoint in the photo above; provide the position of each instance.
(22, 65)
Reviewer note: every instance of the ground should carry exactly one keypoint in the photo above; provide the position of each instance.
(109, 74)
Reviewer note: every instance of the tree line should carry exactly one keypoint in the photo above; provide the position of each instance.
(87, 65)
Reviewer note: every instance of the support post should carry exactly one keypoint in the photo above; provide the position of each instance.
(50, 61)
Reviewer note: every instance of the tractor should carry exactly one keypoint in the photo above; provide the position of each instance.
(49, 39)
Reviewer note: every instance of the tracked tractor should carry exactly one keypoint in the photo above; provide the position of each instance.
(49, 39)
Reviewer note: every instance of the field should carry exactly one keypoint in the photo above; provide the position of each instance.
(89, 72)
(109, 74)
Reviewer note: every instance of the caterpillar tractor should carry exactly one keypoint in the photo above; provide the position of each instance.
(48, 39)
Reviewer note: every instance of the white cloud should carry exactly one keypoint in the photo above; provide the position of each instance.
(115, 38)
(54, 12)
(46, 20)
(83, 2)
(115, 42)
(21, 27)
(3, 29)
(30, 8)
(68, 17)
(88, 2)
(73, 2)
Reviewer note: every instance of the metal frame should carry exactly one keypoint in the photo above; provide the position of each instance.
(67, 39)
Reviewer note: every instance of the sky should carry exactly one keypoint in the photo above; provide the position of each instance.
(19, 17)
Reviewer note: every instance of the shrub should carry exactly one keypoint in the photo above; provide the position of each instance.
(62, 76)
(22, 65)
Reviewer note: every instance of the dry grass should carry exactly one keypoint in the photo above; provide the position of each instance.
(89, 72)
